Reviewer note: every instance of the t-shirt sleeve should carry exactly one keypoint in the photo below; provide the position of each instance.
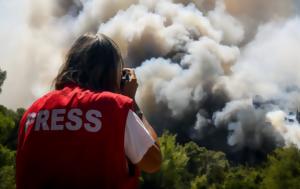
(137, 139)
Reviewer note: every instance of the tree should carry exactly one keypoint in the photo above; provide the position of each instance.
(2, 78)
(9, 122)
(283, 169)
(208, 167)
(243, 177)
(187, 166)
(7, 168)
(200, 182)
(6, 126)
(173, 173)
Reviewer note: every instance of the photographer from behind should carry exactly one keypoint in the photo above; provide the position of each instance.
(88, 132)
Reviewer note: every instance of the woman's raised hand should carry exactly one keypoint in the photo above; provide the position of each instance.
(130, 85)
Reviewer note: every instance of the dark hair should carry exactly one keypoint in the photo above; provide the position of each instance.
(92, 62)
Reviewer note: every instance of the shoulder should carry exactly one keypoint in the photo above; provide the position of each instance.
(85, 96)
(113, 98)
(40, 102)
(37, 105)
(119, 99)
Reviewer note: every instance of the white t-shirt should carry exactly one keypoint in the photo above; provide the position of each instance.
(137, 139)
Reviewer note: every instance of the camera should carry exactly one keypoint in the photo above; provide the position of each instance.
(125, 78)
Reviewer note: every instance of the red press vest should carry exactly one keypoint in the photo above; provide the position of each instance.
(74, 138)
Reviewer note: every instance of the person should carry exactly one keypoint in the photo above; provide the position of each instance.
(88, 132)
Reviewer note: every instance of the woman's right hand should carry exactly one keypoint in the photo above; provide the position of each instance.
(130, 87)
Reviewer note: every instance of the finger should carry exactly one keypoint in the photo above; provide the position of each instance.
(133, 74)
(127, 69)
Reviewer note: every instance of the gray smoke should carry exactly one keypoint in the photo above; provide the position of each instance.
(220, 72)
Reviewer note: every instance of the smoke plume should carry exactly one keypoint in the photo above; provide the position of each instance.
(223, 73)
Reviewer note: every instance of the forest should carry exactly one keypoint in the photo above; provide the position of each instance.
(185, 165)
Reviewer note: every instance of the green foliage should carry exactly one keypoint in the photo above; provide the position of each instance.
(206, 162)
(191, 166)
(173, 171)
(243, 177)
(187, 166)
(283, 169)
(6, 126)
(7, 168)
(7, 156)
(200, 182)
(9, 121)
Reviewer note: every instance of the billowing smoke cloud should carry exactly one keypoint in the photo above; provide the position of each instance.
(220, 72)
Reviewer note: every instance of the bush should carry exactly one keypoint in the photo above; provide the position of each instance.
(283, 169)
(7, 168)
(173, 173)
(187, 166)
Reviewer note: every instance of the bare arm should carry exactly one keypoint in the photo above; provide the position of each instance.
(152, 159)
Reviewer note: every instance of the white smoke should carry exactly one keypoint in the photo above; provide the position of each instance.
(268, 67)
(269, 64)
(290, 132)
(201, 65)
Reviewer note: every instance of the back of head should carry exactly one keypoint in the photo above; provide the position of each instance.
(93, 62)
